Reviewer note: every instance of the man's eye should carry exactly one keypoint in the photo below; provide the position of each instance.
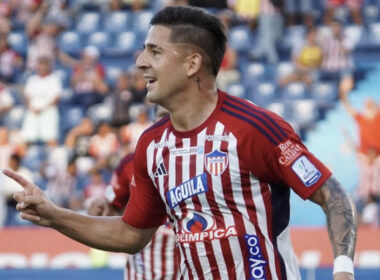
(154, 52)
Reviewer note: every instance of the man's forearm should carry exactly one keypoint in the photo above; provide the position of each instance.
(341, 220)
(105, 233)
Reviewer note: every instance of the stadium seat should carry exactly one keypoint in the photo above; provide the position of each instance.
(263, 94)
(18, 42)
(239, 38)
(354, 34)
(125, 43)
(141, 21)
(99, 39)
(294, 91)
(342, 14)
(34, 156)
(71, 116)
(325, 94)
(236, 89)
(88, 22)
(254, 73)
(100, 112)
(64, 74)
(370, 14)
(115, 22)
(277, 108)
(112, 73)
(304, 112)
(374, 35)
(293, 36)
(13, 119)
(284, 69)
(70, 43)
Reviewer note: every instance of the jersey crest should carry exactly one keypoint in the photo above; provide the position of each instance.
(216, 162)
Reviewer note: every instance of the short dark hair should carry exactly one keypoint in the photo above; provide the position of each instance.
(197, 27)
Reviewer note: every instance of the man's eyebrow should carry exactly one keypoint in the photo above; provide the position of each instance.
(151, 46)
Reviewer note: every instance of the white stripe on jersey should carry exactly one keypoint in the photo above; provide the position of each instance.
(286, 250)
(262, 220)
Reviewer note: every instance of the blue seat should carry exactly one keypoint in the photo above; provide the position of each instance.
(115, 22)
(18, 42)
(99, 39)
(293, 36)
(294, 91)
(371, 14)
(125, 43)
(283, 69)
(141, 21)
(71, 116)
(112, 73)
(34, 156)
(70, 42)
(88, 22)
(263, 94)
(254, 73)
(374, 35)
(278, 108)
(304, 112)
(354, 34)
(236, 89)
(15, 116)
(100, 112)
(325, 94)
(239, 38)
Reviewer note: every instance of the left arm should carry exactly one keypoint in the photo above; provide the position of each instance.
(341, 221)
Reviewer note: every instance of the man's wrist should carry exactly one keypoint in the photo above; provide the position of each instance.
(343, 263)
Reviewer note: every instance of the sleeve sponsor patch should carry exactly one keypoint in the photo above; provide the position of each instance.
(306, 171)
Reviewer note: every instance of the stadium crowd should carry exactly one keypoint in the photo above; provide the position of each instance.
(72, 102)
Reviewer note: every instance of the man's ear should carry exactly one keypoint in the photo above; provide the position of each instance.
(193, 64)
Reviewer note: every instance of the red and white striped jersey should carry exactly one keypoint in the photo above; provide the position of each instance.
(225, 187)
(158, 260)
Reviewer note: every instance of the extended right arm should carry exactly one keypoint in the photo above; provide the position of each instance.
(105, 233)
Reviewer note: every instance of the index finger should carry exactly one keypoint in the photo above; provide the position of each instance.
(18, 178)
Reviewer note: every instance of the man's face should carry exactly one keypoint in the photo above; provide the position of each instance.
(162, 63)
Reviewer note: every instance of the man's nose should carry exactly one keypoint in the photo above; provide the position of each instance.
(141, 61)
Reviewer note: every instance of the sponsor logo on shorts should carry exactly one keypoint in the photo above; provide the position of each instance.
(255, 258)
(289, 152)
(197, 227)
(306, 171)
(194, 186)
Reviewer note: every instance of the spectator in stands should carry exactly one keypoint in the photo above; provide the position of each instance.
(368, 121)
(355, 7)
(62, 183)
(9, 187)
(370, 215)
(6, 102)
(248, 10)
(23, 10)
(78, 138)
(369, 181)
(42, 93)
(136, 5)
(138, 87)
(269, 32)
(228, 72)
(88, 79)
(5, 13)
(337, 62)
(8, 148)
(295, 8)
(10, 61)
(103, 145)
(122, 99)
(95, 189)
(131, 132)
(307, 59)
(43, 32)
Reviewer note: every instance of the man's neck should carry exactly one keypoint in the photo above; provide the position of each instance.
(193, 109)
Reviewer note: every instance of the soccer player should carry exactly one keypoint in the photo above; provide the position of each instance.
(158, 259)
(218, 167)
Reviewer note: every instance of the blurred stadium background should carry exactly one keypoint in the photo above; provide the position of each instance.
(117, 29)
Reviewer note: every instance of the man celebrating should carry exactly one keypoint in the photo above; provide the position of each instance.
(218, 167)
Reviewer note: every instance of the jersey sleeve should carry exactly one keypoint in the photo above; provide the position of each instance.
(145, 208)
(288, 162)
